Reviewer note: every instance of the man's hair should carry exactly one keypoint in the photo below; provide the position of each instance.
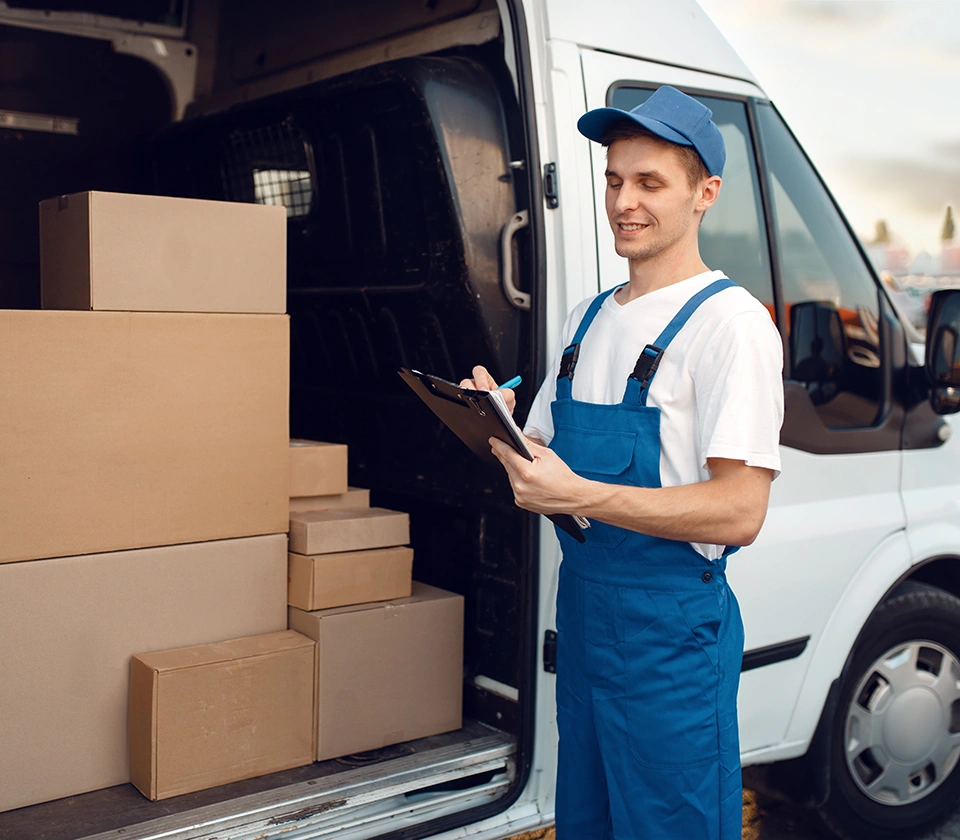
(695, 168)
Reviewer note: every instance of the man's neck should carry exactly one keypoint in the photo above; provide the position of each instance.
(664, 270)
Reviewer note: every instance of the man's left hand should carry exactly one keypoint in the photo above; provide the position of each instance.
(545, 484)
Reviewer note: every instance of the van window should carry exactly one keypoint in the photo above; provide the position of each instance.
(831, 298)
(732, 236)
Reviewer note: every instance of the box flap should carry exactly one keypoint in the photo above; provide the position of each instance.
(343, 514)
(232, 650)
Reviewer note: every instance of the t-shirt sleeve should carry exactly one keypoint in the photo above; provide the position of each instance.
(540, 418)
(739, 392)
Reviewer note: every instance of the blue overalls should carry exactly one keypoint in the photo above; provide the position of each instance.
(649, 641)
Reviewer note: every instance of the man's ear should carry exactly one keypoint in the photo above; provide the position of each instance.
(709, 192)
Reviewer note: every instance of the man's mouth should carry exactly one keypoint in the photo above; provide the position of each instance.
(630, 227)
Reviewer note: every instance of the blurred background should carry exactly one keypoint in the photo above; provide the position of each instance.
(870, 88)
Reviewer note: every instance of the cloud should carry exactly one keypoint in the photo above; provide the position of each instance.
(948, 150)
(850, 12)
(919, 186)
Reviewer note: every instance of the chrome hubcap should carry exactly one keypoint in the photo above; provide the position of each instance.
(902, 731)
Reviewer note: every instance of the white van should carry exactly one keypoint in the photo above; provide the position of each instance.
(443, 210)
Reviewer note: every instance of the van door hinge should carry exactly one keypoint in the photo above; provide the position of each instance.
(550, 193)
(550, 651)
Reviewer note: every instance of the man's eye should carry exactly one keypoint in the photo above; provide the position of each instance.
(614, 185)
(651, 186)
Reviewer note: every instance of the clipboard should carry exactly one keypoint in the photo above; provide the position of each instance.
(475, 417)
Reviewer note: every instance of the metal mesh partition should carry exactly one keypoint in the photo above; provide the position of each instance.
(270, 164)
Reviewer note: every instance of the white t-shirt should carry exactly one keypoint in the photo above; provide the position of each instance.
(719, 386)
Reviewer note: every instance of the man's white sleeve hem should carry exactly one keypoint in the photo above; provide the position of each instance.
(751, 459)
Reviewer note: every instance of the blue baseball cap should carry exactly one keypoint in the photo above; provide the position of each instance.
(669, 114)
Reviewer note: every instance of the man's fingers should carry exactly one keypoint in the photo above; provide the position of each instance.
(485, 382)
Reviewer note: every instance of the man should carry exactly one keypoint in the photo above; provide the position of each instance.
(662, 416)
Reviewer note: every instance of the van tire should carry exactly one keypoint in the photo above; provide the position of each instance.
(917, 629)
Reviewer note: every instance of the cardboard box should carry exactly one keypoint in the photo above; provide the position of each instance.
(130, 430)
(69, 626)
(352, 577)
(328, 531)
(146, 253)
(317, 469)
(388, 672)
(213, 714)
(353, 498)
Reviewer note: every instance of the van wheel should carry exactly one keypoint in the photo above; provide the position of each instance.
(896, 733)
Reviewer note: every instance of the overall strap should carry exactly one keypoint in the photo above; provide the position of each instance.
(568, 359)
(638, 384)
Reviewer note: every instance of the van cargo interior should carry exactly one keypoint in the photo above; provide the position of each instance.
(392, 133)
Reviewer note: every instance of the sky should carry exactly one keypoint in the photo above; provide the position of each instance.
(871, 88)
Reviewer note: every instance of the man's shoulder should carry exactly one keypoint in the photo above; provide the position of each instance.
(736, 301)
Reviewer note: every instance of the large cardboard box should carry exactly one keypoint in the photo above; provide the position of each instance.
(329, 531)
(355, 497)
(69, 626)
(387, 672)
(209, 715)
(129, 430)
(351, 577)
(317, 469)
(146, 253)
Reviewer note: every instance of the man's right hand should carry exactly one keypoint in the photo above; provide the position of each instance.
(483, 381)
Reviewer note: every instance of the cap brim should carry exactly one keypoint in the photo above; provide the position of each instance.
(594, 124)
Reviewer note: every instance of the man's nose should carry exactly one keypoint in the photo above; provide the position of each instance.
(627, 198)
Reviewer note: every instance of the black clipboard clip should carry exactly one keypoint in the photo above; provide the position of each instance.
(475, 417)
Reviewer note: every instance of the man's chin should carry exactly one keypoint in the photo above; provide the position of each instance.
(631, 252)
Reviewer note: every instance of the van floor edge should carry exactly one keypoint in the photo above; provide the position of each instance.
(124, 807)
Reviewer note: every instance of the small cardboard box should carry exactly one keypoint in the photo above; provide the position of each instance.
(353, 498)
(148, 253)
(387, 672)
(68, 627)
(123, 430)
(352, 577)
(329, 531)
(317, 469)
(213, 714)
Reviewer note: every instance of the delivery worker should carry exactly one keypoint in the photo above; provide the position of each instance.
(662, 415)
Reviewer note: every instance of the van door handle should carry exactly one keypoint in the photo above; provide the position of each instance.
(519, 220)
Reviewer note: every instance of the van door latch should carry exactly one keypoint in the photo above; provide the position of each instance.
(550, 194)
(550, 651)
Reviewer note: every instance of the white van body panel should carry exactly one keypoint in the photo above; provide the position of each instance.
(931, 498)
(675, 32)
(871, 581)
(571, 266)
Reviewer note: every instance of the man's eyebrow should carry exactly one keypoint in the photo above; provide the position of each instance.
(652, 173)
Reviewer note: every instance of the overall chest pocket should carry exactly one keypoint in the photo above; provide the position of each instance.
(606, 456)
(596, 454)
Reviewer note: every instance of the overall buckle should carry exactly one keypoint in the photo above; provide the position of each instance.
(568, 361)
(647, 365)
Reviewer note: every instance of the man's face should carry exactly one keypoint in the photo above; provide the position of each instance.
(650, 203)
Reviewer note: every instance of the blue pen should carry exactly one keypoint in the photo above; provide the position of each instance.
(511, 383)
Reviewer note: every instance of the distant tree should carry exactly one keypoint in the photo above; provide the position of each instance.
(882, 233)
(946, 235)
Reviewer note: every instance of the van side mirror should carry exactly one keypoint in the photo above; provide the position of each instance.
(818, 348)
(942, 355)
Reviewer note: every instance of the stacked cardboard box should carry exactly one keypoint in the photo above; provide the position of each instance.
(342, 551)
(387, 672)
(389, 650)
(213, 714)
(143, 496)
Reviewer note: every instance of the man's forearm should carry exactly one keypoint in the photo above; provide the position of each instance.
(713, 512)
